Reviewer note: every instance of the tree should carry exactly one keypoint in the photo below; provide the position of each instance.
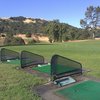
(55, 31)
(19, 18)
(62, 31)
(52, 29)
(91, 20)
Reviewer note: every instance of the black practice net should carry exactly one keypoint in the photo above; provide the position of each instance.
(7, 54)
(29, 59)
(61, 66)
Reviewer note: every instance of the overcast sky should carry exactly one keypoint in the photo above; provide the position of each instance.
(67, 11)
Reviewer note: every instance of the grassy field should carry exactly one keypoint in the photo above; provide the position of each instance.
(88, 52)
(16, 84)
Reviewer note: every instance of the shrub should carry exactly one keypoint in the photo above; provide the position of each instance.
(32, 41)
(13, 41)
(28, 35)
(50, 40)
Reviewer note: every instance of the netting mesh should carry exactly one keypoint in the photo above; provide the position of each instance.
(29, 59)
(7, 54)
(61, 65)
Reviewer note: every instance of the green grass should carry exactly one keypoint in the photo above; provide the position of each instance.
(87, 53)
(15, 84)
(88, 90)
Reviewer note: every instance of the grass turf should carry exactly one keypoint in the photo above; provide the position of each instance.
(44, 69)
(88, 90)
(17, 62)
(17, 84)
(87, 53)
(14, 85)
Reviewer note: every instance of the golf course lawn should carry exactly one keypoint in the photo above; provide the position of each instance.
(16, 84)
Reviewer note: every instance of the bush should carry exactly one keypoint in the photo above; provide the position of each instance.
(28, 35)
(32, 41)
(50, 39)
(14, 41)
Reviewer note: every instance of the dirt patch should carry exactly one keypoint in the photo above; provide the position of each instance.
(35, 37)
(2, 41)
(37, 73)
(45, 38)
(47, 92)
(23, 36)
(97, 38)
(40, 38)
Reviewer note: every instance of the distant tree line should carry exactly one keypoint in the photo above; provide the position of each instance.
(59, 32)
(55, 30)
(15, 25)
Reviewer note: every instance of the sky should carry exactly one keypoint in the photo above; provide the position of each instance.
(67, 11)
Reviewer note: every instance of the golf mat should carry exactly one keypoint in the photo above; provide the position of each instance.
(88, 90)
(43, 68)
(47, 69)
(17, 61)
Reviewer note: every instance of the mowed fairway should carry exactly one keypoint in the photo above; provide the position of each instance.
(16, 84)
(87, 53)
